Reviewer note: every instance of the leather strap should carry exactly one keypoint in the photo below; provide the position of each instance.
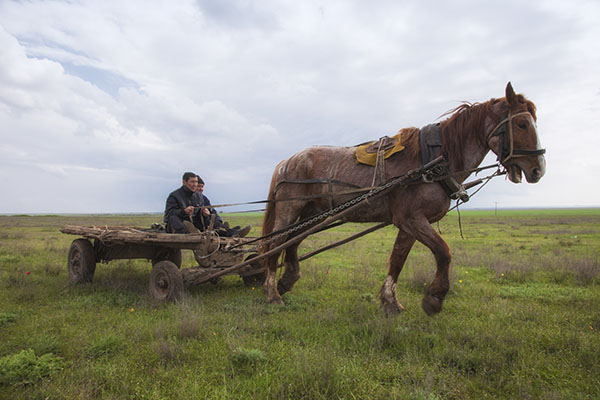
(431, 142)
(431, 147)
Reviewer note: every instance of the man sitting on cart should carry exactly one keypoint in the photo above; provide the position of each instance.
(203, 218)
(185, 210)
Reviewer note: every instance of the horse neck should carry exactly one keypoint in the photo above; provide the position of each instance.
(464, 138)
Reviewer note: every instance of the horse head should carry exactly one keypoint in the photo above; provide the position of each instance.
(514, 139)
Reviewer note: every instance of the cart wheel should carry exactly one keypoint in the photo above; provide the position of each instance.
(81, 262)
(173, 255)
(255, 279)
(166, 281)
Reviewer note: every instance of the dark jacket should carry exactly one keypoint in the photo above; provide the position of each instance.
(177, 201)
(203, 221)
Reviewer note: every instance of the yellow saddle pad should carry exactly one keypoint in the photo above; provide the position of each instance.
(367, 153)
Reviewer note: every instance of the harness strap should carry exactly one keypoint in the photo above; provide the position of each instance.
(430, 137)
(379, 163)
(431, 142)
(328, 181)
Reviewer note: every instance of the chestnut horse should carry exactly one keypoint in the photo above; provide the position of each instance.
(506, 126)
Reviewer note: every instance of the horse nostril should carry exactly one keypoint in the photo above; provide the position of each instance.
(536, 174)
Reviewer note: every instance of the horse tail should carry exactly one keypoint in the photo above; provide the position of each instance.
(269, 216)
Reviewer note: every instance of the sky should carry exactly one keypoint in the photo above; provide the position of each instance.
(104, 104)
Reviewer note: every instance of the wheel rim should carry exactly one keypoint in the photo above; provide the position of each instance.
(162, 285)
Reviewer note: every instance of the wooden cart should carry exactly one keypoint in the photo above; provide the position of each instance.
(214, 255)
(219, 256)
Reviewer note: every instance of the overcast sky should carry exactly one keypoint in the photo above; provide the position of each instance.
(104, 104)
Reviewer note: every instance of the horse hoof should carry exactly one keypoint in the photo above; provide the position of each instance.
(281, 288)
(392, 309)
(431, 305)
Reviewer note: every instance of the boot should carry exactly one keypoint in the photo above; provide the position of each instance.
(190, 228)
(242, 232)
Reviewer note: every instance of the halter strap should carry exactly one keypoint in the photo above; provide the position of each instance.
(506, 154)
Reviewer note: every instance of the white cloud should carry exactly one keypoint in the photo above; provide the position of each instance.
(131, 94)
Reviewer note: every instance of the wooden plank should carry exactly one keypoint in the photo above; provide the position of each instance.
(124, 234)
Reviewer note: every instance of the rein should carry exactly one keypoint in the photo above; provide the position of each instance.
(468, 185)
(507, 149)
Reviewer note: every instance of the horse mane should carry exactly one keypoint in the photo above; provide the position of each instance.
(468, 118)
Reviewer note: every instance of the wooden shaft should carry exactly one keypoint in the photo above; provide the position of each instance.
(341, 242)
(471, 184)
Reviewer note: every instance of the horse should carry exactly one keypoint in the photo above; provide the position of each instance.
(318, 178)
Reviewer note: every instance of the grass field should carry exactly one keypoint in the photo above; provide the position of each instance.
(521, 320)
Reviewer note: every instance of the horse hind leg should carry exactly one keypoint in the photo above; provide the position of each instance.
(291, 273)
(272, 289)
(270, 286)
(387, 293)
(270, 268)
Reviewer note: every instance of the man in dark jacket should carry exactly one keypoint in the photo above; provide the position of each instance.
(181, 204)
(202, 219)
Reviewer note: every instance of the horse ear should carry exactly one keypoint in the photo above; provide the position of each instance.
(510, 94)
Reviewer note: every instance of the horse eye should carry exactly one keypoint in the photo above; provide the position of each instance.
(522, 125)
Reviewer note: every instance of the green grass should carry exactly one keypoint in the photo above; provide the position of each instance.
(26, 368)
(522, 318)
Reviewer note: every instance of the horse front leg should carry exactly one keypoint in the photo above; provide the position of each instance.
(387, 293)
(436, 292)
(291, 273)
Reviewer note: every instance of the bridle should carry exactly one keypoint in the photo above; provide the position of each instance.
(507, 151)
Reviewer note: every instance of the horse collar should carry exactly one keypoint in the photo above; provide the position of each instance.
(431, 142)
(430, 137)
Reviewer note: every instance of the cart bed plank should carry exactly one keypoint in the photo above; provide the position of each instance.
(124, 234)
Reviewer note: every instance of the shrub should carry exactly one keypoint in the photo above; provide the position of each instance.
(25, 367)
(6, 318)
